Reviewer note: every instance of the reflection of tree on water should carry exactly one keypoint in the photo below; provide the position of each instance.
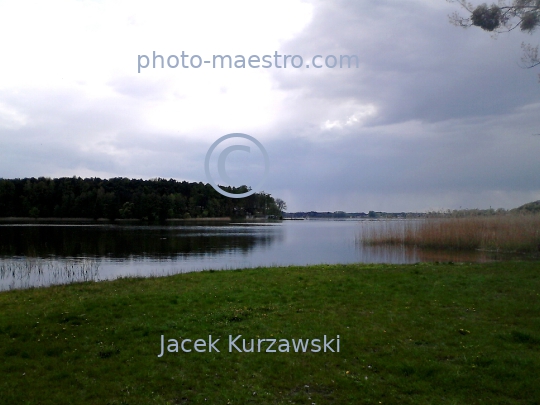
(131, 241)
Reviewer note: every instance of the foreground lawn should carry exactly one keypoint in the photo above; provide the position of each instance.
(409, 334)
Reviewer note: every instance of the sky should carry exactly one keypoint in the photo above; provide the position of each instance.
(433, 116)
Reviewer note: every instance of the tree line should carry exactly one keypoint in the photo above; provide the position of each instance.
(122, 198)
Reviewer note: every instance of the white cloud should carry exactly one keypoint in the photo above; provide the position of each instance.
(10, 118)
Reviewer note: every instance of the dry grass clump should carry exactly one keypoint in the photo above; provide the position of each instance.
(508, 233)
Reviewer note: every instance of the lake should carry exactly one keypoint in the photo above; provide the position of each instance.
(34, 255)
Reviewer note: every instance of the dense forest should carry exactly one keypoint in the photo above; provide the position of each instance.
(122, 198)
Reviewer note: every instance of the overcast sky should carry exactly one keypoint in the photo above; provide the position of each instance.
(434, 116)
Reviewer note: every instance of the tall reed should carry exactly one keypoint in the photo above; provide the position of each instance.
(27, 272)
(505, 233)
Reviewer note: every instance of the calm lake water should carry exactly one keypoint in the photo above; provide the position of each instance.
(45, 254)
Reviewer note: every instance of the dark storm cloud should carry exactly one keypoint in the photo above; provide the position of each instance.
(413, 63)
(454, 112)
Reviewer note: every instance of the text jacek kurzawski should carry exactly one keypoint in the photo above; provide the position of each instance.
(237, 344)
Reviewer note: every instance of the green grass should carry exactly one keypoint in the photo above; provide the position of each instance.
(410, 334)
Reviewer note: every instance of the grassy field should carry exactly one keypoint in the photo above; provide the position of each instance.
(409, 334)
(503, 233)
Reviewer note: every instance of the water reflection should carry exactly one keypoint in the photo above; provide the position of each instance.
(40, 255)
(402, 254)
(122, 242)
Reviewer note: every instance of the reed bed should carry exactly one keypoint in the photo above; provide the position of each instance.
(508, 233)
(26, 272)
